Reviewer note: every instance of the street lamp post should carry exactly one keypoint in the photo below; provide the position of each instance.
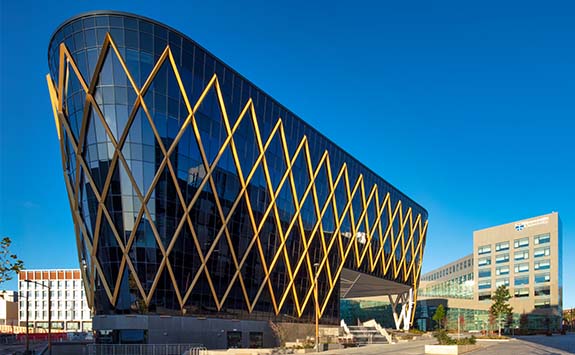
(27, 326)
(316, 266)
(49, 312)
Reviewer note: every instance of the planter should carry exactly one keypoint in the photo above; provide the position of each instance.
(449, 349)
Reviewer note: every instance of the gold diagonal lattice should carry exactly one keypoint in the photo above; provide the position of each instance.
(377, 227)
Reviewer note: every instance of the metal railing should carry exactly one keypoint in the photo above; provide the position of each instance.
(146, 349)
(380, 329)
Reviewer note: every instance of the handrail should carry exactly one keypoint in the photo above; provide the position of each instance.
(345, 328)
(380, 329)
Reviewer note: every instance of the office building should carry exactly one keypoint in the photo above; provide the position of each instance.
(195, 195)
(70, 311)
(525, 256)
(8, 308)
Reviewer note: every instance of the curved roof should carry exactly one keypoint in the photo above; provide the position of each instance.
(128, 14)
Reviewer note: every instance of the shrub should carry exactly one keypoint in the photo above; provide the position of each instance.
(444, 339)
(467, 341)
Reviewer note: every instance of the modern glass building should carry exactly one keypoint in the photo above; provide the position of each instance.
(195, 193)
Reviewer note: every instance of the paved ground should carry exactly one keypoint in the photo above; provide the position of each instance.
(410, 348)
(16, 348)
(541, 344)
(528, 345)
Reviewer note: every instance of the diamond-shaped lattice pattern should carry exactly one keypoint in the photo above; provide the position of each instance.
(329, 216)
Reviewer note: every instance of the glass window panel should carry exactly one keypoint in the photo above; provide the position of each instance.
(545, 303)
(521, 280)
(484, 284)
(542, 239)
(520, 243)
(521, 255)
(542, 291)
(542, 265)
(539, 252)
(484, 261)
(542, 278)
(502, 246)
(502, 258)
(523, 267)
(502, 270)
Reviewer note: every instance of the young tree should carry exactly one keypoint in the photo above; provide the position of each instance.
(439, 316)
(500, 308)
(9, 263)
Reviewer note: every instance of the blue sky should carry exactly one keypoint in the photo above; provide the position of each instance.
(467, 107)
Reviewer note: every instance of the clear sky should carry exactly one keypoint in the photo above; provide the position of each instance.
(466, 106)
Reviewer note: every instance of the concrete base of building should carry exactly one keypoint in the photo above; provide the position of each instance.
(212, 333)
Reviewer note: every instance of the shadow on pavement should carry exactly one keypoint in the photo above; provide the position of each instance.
(560, 342)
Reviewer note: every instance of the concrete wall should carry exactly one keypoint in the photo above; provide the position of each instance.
(291, 332)
(211, 332)
(8, 312)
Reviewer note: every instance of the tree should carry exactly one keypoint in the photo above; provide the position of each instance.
(439, 315)
(9, 263)
(500, 308)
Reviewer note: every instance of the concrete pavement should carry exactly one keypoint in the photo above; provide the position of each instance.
(410, 348)
(528, 345)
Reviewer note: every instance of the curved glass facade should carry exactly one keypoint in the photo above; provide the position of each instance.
(195, 193)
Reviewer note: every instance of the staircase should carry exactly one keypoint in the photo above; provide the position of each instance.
(368, 333)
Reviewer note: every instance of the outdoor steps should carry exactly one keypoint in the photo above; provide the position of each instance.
(366, 335)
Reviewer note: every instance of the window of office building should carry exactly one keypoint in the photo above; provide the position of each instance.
(485, 249)
(521, 255)
(520, 243)
(485, 284)
(502, 270)
(484, 261)
(483, 296)
(521, 280)
(542, 265)
(484, 273)
(523, 267)
(542, 291)
(502, 246)
(539, 252)
(542, 278)
(502, 258)
(502, 282)
(541, 239)
(542, 303)
(521, 292)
